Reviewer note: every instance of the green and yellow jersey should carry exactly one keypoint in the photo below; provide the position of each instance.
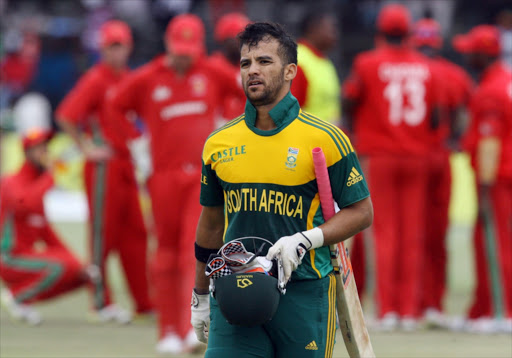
(266, 181)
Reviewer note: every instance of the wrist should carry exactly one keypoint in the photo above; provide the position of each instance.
(315, 237)
(201, 291)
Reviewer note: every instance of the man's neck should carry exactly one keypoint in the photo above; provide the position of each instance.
(263, 119)
(115, 69)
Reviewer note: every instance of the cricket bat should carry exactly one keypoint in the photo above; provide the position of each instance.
(350, 314)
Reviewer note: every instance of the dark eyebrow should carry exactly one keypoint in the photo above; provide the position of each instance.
(264, 58)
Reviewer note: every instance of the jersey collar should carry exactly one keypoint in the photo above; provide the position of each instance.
(282, 115)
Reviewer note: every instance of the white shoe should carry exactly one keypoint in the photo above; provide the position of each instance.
(18, 311)
(171, 343)
(483, 325)
(111, 313)
(409, 324)
(388, 323)
(456, 324)
(435, 319)
(505, 325)
(192, 344)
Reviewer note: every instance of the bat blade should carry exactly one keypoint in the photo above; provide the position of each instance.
(350, 314)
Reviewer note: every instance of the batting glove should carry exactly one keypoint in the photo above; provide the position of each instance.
(200, 307)
(293, 248)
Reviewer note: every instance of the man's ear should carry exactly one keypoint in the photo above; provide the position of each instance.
(290, 71)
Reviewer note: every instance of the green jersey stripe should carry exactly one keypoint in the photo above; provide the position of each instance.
(7, 235)
(332, 128)
(308, 122)
(227, 125)
(55, 271)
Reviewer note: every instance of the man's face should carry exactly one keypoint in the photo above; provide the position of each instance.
(117, 54)
(263, 72)
(182, 63)
(327, 33)
(38, 154)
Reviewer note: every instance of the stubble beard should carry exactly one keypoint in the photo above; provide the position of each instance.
(269, 94)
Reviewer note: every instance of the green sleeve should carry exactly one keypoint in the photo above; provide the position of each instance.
(347, 181)
(211, 190)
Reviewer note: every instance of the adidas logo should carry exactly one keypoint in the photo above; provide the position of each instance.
(312, 346)
(354, 178)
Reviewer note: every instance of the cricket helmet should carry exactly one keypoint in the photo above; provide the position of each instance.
(248, 297)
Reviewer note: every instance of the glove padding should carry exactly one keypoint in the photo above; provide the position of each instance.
(200, 320)
(293, 248)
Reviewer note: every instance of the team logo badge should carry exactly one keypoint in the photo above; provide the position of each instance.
(243, 282)
(161, 93)
(198, 85)
(291, 157)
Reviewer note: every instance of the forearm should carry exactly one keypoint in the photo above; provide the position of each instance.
(209, 234)
(488, 157)
(348, 222)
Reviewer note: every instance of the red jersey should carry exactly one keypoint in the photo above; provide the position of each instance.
(453, 91)
(491, 115)
(88, 104)
(232, 106)
(179, 111)
(22, 210)
(393, 91)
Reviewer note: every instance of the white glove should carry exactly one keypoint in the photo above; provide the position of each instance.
(200, 320)
(141, 157)
(293, 248)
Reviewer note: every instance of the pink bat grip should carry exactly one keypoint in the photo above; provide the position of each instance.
(324, 185)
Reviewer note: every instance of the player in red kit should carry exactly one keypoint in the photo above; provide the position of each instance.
(115, 216)
(390, 96)
(228, 59)
(177, 95)
(29, 273)
(489, 141)
(454, 92)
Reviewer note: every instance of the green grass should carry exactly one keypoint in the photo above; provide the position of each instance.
(67, 334)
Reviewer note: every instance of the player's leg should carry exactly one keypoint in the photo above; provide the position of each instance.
(481, 303)
(95, 189)
(131, 238)
(73, 273)
(165, 200)
(502, 211)
(412, 198)
(305, 322)
(381, 178)
(357, 258)
(189, 218)
(438, 189)
(226, 340)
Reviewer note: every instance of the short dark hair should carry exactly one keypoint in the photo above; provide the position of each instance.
(263, 31)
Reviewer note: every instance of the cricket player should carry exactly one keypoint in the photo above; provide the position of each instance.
(258, 179)
(34, 263)
(454, 92)
(489, 141)
(390, 97)
(116, 221)
(228, 59)
(316, 85)
(177, 95)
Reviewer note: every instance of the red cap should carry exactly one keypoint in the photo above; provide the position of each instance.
(185, 35)
(480, 39)
(427, 32)
(35, 136)
(230, 25)
(115, 32)
(394, 19)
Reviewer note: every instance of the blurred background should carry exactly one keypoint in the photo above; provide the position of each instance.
(46, 45)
